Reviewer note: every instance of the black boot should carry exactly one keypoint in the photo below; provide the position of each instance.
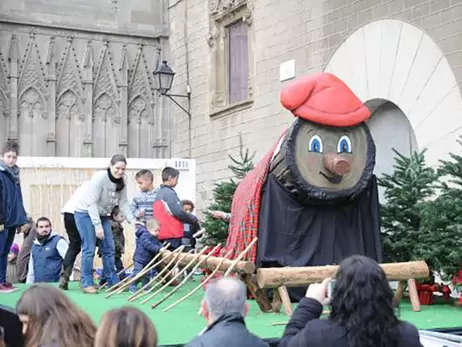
(64, 282)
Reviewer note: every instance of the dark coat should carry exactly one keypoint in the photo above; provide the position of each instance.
(119, 240)
(12, 213)
(305, 329)
(24, 253)
(147, 246)
(227, 331)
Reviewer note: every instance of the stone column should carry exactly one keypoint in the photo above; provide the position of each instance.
(13, 57)
(87, 67)
(123, 109)
(51, 80)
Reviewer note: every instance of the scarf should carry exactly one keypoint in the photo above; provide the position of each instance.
(119, 182)
(13, 171)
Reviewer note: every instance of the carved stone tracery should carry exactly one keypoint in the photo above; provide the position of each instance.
(60, 76)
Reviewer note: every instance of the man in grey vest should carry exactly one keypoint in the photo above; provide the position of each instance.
(48, 252)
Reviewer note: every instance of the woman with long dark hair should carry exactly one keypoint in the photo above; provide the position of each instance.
(93, 208)
(362, 312)
(50, 319)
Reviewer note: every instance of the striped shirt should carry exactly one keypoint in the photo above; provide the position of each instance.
(143, 201)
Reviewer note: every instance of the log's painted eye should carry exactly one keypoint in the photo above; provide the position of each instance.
(344, 145)
(315, 144)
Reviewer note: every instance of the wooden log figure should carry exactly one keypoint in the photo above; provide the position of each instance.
(313, 199)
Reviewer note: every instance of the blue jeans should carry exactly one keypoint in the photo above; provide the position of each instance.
(89, 242)
(136, 270)
(6, 240)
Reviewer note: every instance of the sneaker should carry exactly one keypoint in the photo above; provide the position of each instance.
(90, 290)
(133, 289)
(7, 288)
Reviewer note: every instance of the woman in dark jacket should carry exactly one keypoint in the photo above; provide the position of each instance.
(362, 312)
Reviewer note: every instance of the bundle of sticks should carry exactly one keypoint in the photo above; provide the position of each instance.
(171, 265)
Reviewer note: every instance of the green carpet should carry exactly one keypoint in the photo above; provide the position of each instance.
(181, 324)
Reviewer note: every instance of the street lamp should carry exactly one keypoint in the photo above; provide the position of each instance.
(163, 77)
(163, 81)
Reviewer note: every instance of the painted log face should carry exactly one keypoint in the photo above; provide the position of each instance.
(317, 162)
(328, 153)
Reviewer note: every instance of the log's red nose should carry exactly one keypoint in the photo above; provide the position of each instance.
(335, 164)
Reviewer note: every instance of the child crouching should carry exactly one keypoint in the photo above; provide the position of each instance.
(147, 247)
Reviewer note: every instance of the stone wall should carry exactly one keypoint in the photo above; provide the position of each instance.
(76, 77)
(307, 31)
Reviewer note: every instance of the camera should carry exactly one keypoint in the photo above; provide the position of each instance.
(330, 288)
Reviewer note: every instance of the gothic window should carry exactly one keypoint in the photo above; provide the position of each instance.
(231, 42)
(238, 62)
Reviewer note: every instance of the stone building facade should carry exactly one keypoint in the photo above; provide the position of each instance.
(403, 58)
(76, 77)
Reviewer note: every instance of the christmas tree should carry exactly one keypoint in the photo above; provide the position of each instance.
(216, 230)
(441, 230)
(406, 191)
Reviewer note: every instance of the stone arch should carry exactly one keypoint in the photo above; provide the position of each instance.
(393, 61)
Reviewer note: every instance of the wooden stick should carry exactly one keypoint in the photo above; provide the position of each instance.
(240, 256)
(199, 233)
(121, 283)
(176, 276)
(174, 290)
(142, 273)
(175, 255)
(242, 267)
(164, 277)
(235, 262)
(118, 274)
(200, 285)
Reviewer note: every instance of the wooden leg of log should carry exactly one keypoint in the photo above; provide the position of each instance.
(235, 262)
(151, 265)
(174, 290)
(158, 278)
(413, 295)
(259, 295)
(209, 277)
(284, 294)
(277, 302)
(399, 291)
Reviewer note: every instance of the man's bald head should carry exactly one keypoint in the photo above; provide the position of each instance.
(226, 295)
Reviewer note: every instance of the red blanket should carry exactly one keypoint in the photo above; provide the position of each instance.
(243, 226)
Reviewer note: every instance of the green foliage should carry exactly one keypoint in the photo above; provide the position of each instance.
(441, 230)
(217, 230)
(422, 218)
(406, 190)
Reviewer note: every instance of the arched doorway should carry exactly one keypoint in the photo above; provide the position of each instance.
(390, 130)
(395, 61)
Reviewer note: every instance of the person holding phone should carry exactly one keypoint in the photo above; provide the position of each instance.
(105, 190)
(362, 311)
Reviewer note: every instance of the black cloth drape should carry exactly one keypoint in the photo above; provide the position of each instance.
(292, 234)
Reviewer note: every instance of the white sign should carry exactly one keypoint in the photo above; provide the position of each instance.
(287, 70)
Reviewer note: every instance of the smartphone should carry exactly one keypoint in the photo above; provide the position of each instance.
(330, 288)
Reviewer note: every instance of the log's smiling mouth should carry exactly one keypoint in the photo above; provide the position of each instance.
(336, 179)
